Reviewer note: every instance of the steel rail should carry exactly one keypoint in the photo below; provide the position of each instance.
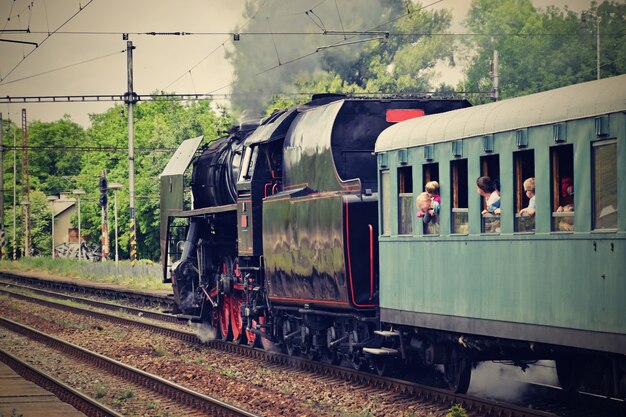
(155, 383)
(167, 318)
(134, 296)
(418, 391)
(64, 392)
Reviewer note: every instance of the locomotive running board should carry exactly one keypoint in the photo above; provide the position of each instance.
(381, 351)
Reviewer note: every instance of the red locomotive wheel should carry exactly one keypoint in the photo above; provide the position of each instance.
(224, 317)
(236, 321)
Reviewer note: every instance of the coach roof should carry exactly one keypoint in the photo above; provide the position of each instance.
(554, 106)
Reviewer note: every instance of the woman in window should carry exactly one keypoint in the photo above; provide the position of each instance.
(487, 190)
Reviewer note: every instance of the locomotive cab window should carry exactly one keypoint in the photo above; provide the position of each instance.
(604, 155)
(459, 196)
(405, 201)
(249, 160)
(489, 192)
(524, 191)
(562, 161)
(385, 203)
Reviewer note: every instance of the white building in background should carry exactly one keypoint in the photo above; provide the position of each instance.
(64, 208)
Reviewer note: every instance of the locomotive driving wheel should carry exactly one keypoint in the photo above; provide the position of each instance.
(458, 371)
(224, 317)
(226, 300)
(236, 319)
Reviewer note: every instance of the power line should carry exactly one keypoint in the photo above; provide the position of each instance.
(61, 68)
(46, 38)
(86, 148)
(325, 32)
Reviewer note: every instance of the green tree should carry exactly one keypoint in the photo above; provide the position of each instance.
(53, 156)
(540, 50)
(159, 127)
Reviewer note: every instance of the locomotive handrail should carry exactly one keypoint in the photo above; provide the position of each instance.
(371, 228)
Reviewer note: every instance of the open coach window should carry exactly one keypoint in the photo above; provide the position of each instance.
(405, 201)
(430, 172)
(490, 167)
(524, 190)
(385, 202)
(605, 184)
(562, 161)
(459, 196)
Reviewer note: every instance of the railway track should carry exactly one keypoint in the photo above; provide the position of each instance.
(159, 386)
(64, 392)
(132, 297)
(365, 381)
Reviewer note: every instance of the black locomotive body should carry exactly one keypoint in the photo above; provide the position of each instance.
(281, 243)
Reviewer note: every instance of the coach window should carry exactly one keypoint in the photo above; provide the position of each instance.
(605, 184)
(490, 167)
(385, 202)
(524, 183)
(562, 166)
(459, 190)
(405, 201)
(430, 172)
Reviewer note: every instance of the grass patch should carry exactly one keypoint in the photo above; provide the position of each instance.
(145, 275)
(159, 351)
(70, 324)
(124, 395)
(101, 390)
(456, 411)
(229, 373)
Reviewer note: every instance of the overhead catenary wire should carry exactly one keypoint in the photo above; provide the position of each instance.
(85, 148)
(45, 39)
(62, 68)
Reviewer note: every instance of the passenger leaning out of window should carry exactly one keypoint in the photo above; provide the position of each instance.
(529, 189)
(427, 207)
(430, 214)
(487, 190)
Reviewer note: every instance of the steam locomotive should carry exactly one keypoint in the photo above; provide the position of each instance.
(303, 233)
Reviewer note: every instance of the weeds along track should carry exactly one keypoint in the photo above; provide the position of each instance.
(404, 395)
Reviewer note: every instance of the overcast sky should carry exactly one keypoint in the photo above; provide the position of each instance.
(94, 63)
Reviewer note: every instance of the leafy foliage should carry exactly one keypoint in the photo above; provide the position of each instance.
(541, 50)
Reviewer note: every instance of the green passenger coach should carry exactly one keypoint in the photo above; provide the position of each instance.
(477, 284)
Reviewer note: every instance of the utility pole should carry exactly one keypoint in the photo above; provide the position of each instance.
(25, 180)
(2, 233)
(105, 215)
(130, 98)
(495, 76)
(14, 194)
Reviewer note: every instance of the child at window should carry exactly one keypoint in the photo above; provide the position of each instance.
(427, 207)
(529, 189)
(432, 188)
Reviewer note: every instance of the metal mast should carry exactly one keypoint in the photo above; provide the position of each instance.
(130, 98)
